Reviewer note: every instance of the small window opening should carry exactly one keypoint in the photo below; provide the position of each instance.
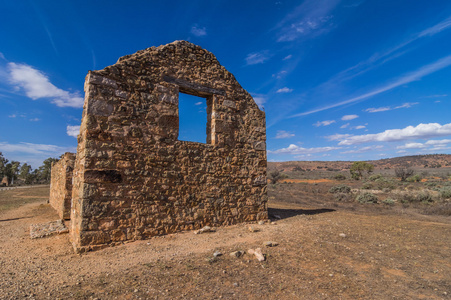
(192, 118)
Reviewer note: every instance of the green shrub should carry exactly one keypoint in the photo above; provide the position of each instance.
(340, 177)
(342, 197)
(385, 183)
(445, 192)
(341, 188)
(374, 177)
(367, 186)
(367, 198)
(423, 197)
(389, 201)
(414, 178)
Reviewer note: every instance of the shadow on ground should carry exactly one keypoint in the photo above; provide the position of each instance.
(280, 213)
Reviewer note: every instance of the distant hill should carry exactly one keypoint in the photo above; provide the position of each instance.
(414, 161)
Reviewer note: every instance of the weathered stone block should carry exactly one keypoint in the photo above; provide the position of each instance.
(61, 185)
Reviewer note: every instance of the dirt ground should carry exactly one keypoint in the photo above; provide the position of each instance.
(324, 252)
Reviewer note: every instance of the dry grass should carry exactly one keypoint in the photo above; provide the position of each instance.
(14, 198)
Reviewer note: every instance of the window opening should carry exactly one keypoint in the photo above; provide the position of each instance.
(192, 118)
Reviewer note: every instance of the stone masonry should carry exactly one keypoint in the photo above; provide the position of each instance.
(133, 179)
(61, 185)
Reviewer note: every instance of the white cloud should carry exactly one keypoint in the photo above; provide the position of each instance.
(338, 137)
(293, 149)
(345, 125)
(73, 130)
(198, 31)
(2, 56)
(363, 149)
(359, 127)
(198, 103)
(282, 134)
(324, 123)
(349, 117)
(379, 109)
(35, 119)
(279, 74)
(259, 100)
(411, 146)
(421, 131)
(288, 57)
(309, 19)
(12, 116)
(37, 85)
(436, 28)
(257, 57)
(284, 90)
(406, 78)
(31, 148)
(386, 108)
(438, 142)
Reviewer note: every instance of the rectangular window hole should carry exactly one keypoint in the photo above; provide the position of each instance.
(192, 118)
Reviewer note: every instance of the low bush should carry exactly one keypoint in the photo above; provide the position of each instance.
(389, 201)
(342, 197)
(339, 177)
(445, 192)
(367, 186)
(367, 198)
(414, 178)
(374, 177)
(423, 197)
(341, 188)
(384, 183)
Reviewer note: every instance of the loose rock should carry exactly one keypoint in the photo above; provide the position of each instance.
(237, 253)
(270, 244)
(257, 253)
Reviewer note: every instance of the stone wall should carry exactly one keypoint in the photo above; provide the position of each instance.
(133, 178)
(61, 185)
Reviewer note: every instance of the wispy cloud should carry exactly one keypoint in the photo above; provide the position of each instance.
(284, 90)
(381, 57)
(282, 134)
(198, 103)
(324, 123)
(37, 85)
(436, 28)
(344, 125)
(435, 144)
(311, 18)
(406, 78)
(294, 149)
(349, 117)
(363, 149)
(259, 99)
(73, 130)
(387, 108)
(198, 31)
(31, 148)
(288, 57)
(421, 131)
(257, 57)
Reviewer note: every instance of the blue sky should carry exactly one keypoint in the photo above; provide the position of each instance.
(338, 79)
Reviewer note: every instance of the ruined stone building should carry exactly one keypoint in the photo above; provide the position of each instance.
(132, 176)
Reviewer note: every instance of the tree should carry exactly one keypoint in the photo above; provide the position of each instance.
(3, 162)
(403, 173)
(46, 169)
(11, 171)
(25, 173)
(358, 168)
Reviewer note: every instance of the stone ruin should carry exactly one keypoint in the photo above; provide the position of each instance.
(134, 179)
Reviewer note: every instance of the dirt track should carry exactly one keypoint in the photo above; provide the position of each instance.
(322, 254)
